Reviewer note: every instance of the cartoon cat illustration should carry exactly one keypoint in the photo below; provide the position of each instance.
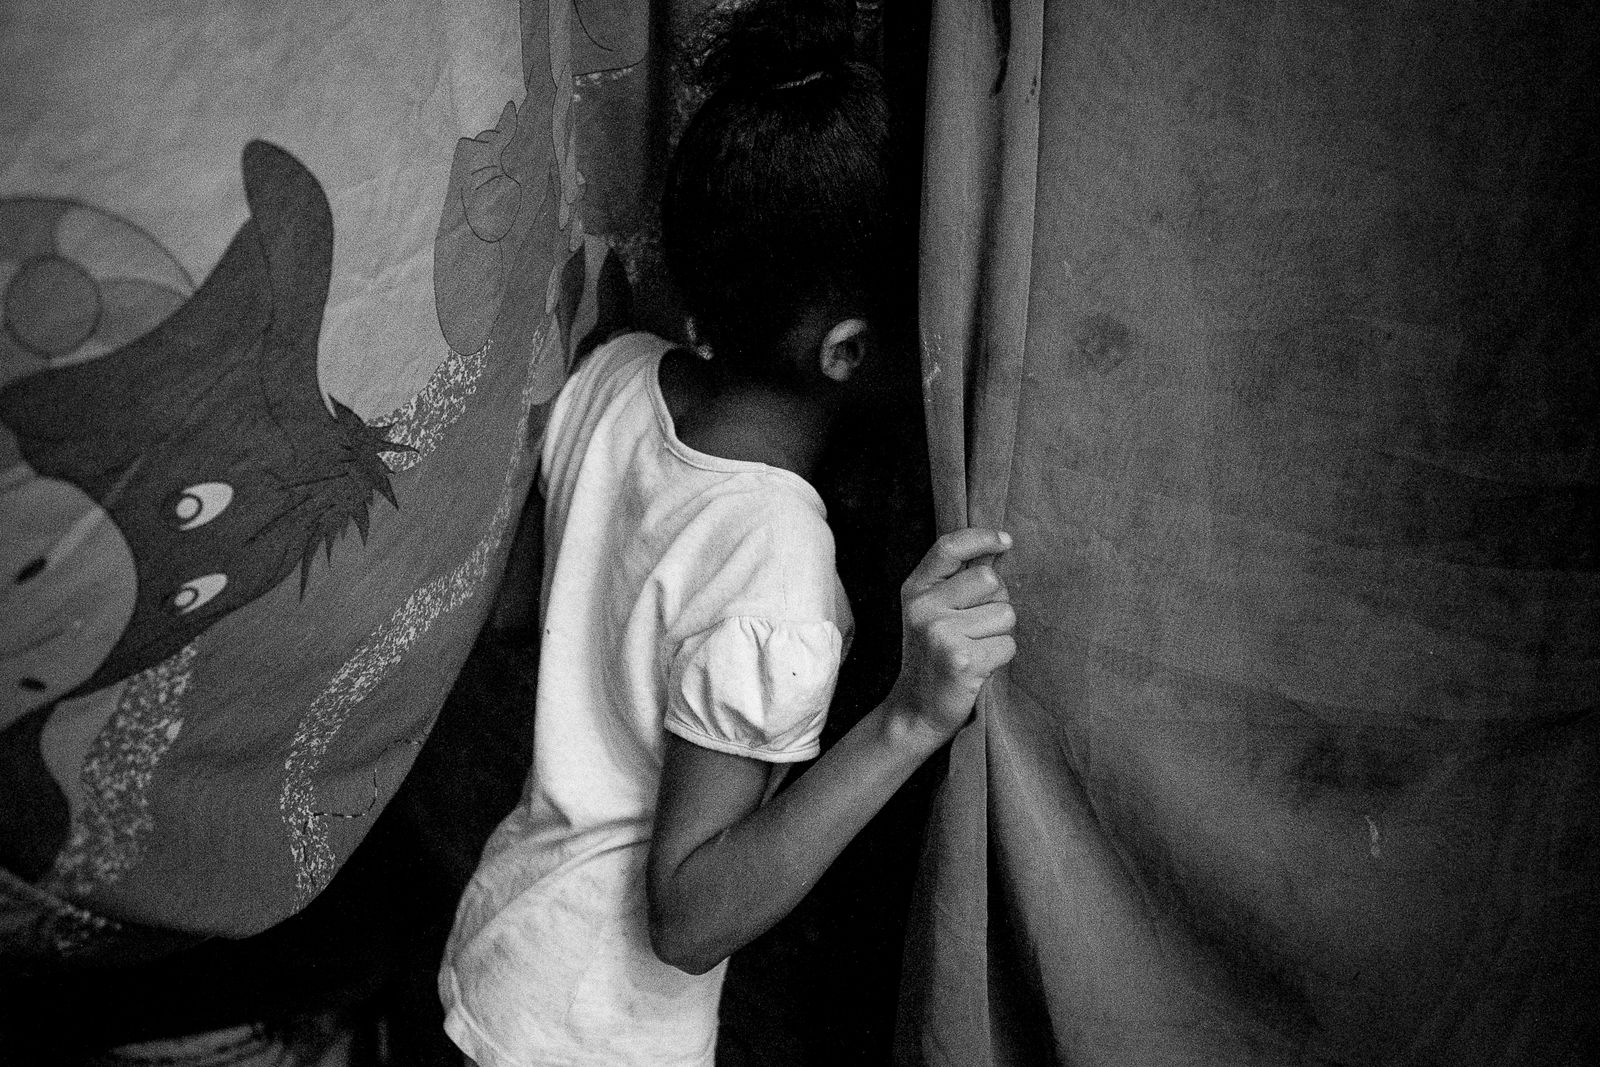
(207, 440)
(208, 444)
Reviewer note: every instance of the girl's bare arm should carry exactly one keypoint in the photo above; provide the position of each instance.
(724, 868)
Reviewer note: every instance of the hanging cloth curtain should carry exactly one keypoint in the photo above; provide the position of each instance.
(286, 289)
(1270, 332)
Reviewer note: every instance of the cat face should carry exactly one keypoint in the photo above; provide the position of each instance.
(207, 441)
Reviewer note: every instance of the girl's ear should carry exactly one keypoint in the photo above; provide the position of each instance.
(844, 349)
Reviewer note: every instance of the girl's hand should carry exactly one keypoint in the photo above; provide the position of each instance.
(725, 863)
(957, 627)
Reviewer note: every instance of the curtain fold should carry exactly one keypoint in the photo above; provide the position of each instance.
(1270, 334)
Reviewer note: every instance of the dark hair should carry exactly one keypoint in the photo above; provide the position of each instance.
(785, 189)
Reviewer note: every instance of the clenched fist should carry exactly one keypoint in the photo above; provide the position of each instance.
(957, 627)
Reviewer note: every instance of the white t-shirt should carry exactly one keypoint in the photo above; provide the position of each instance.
(681, 592)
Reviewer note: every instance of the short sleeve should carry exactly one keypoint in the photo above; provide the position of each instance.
(755, 687)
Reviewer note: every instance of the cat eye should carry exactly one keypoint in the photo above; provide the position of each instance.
(198, 591)
(200, 503)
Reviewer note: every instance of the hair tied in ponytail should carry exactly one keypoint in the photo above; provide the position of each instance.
(783, 194)
(767, 44)
(804, 79)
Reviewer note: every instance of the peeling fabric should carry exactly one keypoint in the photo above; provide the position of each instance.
(314, 859)
(420, 423)
(109, 832)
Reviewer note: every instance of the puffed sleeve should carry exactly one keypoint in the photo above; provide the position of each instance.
(755, 687)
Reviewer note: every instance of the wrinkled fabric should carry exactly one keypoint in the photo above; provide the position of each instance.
(1270, 334)
(683, 593)
(756, 687)
(286, 290)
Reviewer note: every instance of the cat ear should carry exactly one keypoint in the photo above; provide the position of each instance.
(294, 228)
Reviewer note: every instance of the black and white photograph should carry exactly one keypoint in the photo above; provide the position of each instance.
(799, 533)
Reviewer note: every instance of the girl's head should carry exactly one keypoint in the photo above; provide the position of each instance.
(784, 217)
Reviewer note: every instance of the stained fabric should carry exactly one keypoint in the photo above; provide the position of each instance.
(1269, 332)
(286, 290)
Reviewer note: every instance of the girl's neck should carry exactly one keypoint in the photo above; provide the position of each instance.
(741, 419)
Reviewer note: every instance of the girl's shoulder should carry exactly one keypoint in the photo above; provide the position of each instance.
(758, 527)
(618, 355)
(616, 372)
(623, 364)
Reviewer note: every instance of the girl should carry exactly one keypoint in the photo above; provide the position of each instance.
(693, 619)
